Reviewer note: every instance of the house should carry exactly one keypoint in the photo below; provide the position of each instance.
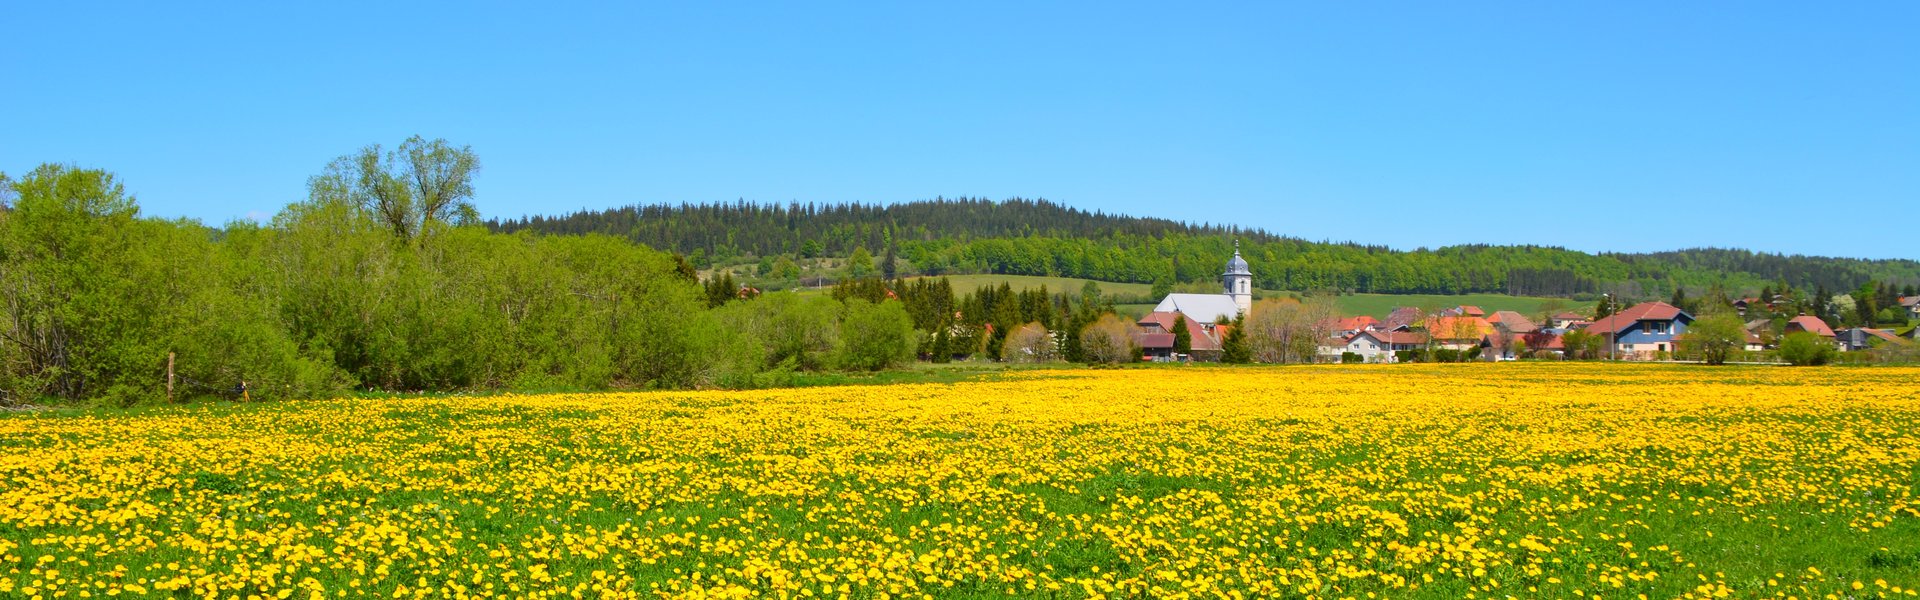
(1566, 320)
(1642, 330)
(1864, 338)
(1378, 346)
(1464, 310)
(1352, 325)
(1458, 333)
(1809, 324)
(1402, 319)
(1204, 335)
(1912, 304)
(1156, 346)
(1740, 306)
(1512, 322)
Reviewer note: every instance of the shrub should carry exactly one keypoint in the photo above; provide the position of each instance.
(1352, 357)
(1806, 349)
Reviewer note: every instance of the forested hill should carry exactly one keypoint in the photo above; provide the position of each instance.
(1037, 237)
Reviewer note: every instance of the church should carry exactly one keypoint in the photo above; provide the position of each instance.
(1201, 312)
(1236, 299)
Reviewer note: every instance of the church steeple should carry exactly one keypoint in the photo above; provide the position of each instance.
(1238, 281)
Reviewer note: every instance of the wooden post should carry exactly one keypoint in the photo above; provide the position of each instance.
(169, 377)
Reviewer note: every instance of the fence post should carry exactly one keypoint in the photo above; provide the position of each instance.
(169, 377)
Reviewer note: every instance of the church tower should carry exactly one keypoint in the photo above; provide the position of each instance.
(1239, 281)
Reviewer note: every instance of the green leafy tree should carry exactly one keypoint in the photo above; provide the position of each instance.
(877, 336)
(860, 264)
(409, 189)
(1714, 338)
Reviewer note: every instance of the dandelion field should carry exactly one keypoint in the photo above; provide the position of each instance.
(1443, 481)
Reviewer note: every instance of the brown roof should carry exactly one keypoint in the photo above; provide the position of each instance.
(1645, 311)
(1909, 300)
(1354, 323)
(1513, 321)
(1195, 330)
(1156, 340)
(1569, 316)
(1810, 324)
(1405, 316)
(1885, 335)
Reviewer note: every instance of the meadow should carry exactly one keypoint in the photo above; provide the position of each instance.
(1441, 481)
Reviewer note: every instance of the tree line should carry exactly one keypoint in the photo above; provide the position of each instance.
(1038, 237)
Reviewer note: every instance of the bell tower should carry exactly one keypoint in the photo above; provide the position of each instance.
(1238, 281)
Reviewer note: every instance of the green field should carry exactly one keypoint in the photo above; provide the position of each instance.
(1379, 305)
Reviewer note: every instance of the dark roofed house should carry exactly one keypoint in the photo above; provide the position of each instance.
(1512, 322)
(1402, 319)
(1912, 304)
(1642, 330)
(1156, 346)
(1863, 338)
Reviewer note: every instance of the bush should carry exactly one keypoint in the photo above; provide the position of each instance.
(1406, 356)
(876, 336)
(1352, 358)
(1806, 349)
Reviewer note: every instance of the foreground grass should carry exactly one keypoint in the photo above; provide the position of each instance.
(1445, 481)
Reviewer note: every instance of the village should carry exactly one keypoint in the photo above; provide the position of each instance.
(1645, 331)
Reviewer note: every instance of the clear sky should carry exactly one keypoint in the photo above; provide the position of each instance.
(1779, 126)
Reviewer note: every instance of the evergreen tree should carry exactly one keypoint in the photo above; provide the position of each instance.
(1604, 309)
(889, 267)
(1234, 349)
(1182, 339)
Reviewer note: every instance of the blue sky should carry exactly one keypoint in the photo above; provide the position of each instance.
(1617, 126)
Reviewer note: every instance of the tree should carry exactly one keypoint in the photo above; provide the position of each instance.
(1182, 339)
(1162, 286)
(889, 264)
(1109, 340)
(1715, 337)
(1234, 349)
(1679, 299)
(1031, 343)
(409, 189)
(1604, 309)
(877, 336)
(1806, 349)
(1866, 303)
(860, 264)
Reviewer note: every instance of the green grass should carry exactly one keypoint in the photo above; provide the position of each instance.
(1379, 305)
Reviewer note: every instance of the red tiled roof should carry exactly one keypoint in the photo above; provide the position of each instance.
(1885, 335)
(1403, 316)
(1810, 324)
(1569, 316)
(1645, 311)
(1445, 328)
(1353, 323)
(1472, 311)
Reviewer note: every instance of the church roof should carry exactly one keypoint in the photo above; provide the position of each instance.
(1237, 265)
(1205, 308)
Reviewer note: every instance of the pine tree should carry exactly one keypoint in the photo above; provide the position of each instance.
(1182, 339)
(1234, 349)
(888, 269)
